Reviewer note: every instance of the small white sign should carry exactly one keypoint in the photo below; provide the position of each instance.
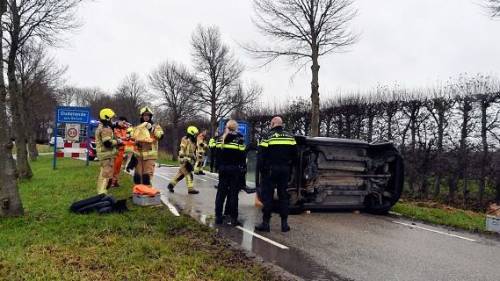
(72, 132)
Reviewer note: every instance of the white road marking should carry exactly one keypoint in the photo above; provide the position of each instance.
(281, 246)
(170, 206)
(435, 231)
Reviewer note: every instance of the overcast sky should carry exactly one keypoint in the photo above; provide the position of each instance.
(413, 42)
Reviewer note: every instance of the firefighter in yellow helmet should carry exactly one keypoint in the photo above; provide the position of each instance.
(146, 147)
(187, 157)
(201, 149)
(106, 148)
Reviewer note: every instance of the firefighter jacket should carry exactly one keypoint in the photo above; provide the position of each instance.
(147, 141)
(200, 145)
(187, 150)
(277, 148)
(105, 142)
(231, 151)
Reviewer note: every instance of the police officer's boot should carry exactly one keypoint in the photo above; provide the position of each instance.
(284, 225)
(264, 226)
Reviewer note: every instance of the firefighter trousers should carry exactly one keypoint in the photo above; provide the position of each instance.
(185, 171)
(105, 175)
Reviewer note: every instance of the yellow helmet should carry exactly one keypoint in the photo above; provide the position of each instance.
(192, 130)
(145, 110)
(106, 114)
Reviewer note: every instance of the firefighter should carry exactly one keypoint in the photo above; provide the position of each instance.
(231, 161)
(106, 145)
(201, 148)
(120, 132)
(187, 157)
(277, 154)
(146, 152)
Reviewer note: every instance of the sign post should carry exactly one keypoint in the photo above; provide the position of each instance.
(71, 115)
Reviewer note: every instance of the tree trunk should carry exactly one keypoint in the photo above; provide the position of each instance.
(452, 184)
(463, 155)
(17, 103)
(175, 140)
(10, 201)
(213, 115)
(315, 96)
(437, 181)
(485, 155)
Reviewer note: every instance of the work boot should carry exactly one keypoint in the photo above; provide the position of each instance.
(263, 227)
(201, 173)
(171, 188)
(193, 191)
(284, 225)
(234, 222)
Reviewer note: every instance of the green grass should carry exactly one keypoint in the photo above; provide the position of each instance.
(462, 219)
(44, 148)
(166, 159)
(146, 243)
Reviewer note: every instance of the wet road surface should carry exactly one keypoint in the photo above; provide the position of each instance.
(346, 245)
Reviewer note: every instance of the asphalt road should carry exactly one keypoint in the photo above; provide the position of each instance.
(346, 245)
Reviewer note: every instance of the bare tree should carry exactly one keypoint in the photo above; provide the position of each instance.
(130, 93)
(439, 106)
(28, 20)
(304, 30)
(38, 77)
(492, 7)
(218, 75)
(177, 88)
(10, 201)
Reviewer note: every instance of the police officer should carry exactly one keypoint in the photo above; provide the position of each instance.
(231, 161)
(106, 145)
(277, 153)
(147, 152)
(187, 157)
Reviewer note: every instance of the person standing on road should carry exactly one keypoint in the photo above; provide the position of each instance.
(231, 162)
(187, 157)
(106, 145)
(146, 151)
(120, 132)
(277, 155)
(201, 148)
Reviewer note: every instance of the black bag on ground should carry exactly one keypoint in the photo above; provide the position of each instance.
(101, 203)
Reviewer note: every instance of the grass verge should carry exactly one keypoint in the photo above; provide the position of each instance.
(443, 215)
(166, 159)
(50, 243)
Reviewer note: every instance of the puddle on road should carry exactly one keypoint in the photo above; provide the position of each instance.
(292, 260)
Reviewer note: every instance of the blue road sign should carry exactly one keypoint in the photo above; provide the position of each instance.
(73, 115)
(243, 128)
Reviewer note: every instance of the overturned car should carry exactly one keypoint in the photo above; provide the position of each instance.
(344, 174)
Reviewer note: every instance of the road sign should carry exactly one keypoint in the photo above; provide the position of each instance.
(72, 132)
(73, 115)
